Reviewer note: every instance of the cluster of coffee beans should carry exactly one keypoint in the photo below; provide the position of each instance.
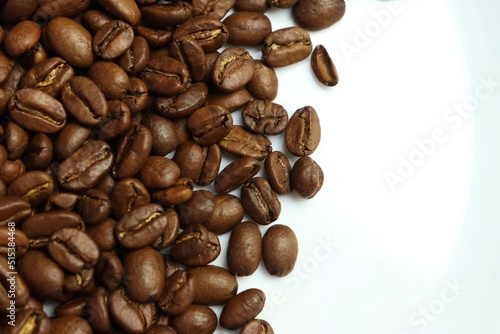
(94, 95)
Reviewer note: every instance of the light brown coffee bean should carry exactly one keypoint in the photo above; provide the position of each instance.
(323, 66)
(279, 250)
(244, 250)
(242, 308)
(303, 132)
(213, 285)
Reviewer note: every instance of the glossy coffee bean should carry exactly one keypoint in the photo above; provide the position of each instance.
(246, 144)
(159, 172)
(22, 37)
(35, 186)
(49, 76)
(233, 69)
(184, 104)
(198, 319)
(265, 117)
(118, 121)
(135, 59)
(228, 212)
(16, 140)
(213, 285)
(210, 124)
(11, 170)
(30, 321)
(178, 293)
(71, 324)
(169, 236)
(35, 56)
(70, 138)
(242, 308)
(189, 158)
(323, 66)
(98, 309)
(197, 209)
(192, 55)
(217, 9)
(307, 177)
(247, 28)
(231, 101)
(163, 133)
(128, 194)
(163, 15)
(178, 193)
(279, 250)
(244, 250)
(165, 75)
(126, 10)
(111, 78)
(94, 19)
(94, 206)
(156, 38)
(137, 96)
(131, 151)
(260, 202)
(103, 234)
(131, 316)
(236, 174)
(68, 8)
(209, 32)
(40, 152)
(257, 326)
(303, 132)
(286, 46)
(196, 246)
(318, 14)
(113, 39)
(109, 270)
(278, 172)
(76, 306)
(264, 82)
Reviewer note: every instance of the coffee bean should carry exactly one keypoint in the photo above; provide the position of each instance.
(217, 9)
(231, 101)
(210, 124)
(22, 37)
(35, 186)
(21, 245)
(163, 133)
(303, 132)
(209, 32)
(264, 82)
(49, 76)
(11, 170)
(236, 174)
(40, 152)
(192, 55)
(113, 39)
(178, 293)
(109, 270)
(68, 8)
(257, 326)
(198, 319)
(70, 323)
(137, 96)
(165, 75)
(159, 172)
(94, 206)
(318, 14)
(184, 104)
(98, 309)
(15, 11)
(111, 78)
(70, 138)
(213, 285)
(307, 177)
(135, 59)
(131, 151)
(196, 246)
(118, 121)
(260, 202)
(265, 117)
(259, 6)
(128, 194)
(178, 193)
(169, 236)
(247, 28)
(279, 250)
(131, 316)
(103, 234)
(76, 306)
(16, 140)
(156, 38)
(323, 66)
(286, 46)
(278, 172)
(164, 15)
(35, 56)
(233, 69)
(94, 19)
(127, 10)
(242, 308)
(197, 209)
(228, 212)
(244, 249)
(246, 144)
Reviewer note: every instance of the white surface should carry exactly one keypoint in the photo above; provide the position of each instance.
(422, 256)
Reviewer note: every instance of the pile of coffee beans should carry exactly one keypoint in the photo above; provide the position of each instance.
(115, 119)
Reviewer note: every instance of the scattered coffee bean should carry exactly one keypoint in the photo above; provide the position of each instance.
(323, 66)
(279, 250)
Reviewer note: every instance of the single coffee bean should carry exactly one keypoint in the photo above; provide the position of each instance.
(279, 250)
(196, 246)
(86, 166)
(241, 308)
(156, 38)
(34, 56)
(257, 326)
(236, 174)
(127, 10)
(137, 96)
(15, 11)
(278, 172)
(265, 117)
(49, 76)
(13, 81)
(209, 32)
(163, 132)
(166, 15)
(128, 194)
(16, 140)
(246, 144)
(131, 151)
(198, 319)
(68, 8)
(113, 39)
(135, 59)
(8, 285)
(144, 274)
(109, 270)
(159, 172)
(213, 285)
(260, 202)
(103, 234)
(165, 75)
(62, 201)
(212, 158)
(233, 69)
(178, 293)
(286, 46)
(13, 209)
(30, 321)
(184, 104)
(11, 170)
(94, 206)
(76, 306)
(307, 177)
(35, 186)
(85, 101)
(70, 138)
(141, 226)
(210, 124)
(231, 101)
(264, 82)
(244, 249)
(70, 40)
(37, 111)
(192, 55)
(118, 121)
(70, 324)
(303, 132)
(228, 212)
(111, 78)
(129, 315)
(247, 28)
(217, 9)
(22, 37)
(169, 236)
(39, 153)
(318, 14)
(98, 309)
(323, 66)
(189, 158)
(197, 209)
(180, 192)
(94, 19)
(21, 244)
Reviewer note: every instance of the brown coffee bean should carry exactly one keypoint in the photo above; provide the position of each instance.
(217, 9)
(159, 172)
(128, 194)
(109, 270)
(260, 202)
(210, 124)
(282, 3)
(307, 177)
(197, 209)
(86, 166)
(228, 212)
(233, 69)
(244, 249)
(113, 39)
(103, 234)
(39, 153)
(144, 274)
(37, 111)
(166, 15)
(34, 56)
(279, 250)
(135, 59)
(94, 19)
(209, 32)
(129, 315)
(94, 206)
(246, 144)
(127, 10)
(265, 117)
(49, 76)
(278, 172)
(257, 326)
(81, 283)
(242, 308)
(4, 102)
(13, 209)
(118, 121)
(6, 65)
(165, 75)
(98, 309)
(85, 101)
(111, 78)
(169, 236)
(259, 6)
(70, 138)
(163, 132)
(178, 293)
(62, 201)
(198, 319)
(15, 11)
(213, 285)
(131, 151)
(19, 248)
(13, 80)
(156, 38)
(35, 186)
(318, 14)
(264, 82)
(76, 306)
(231, 101)
(30, 321)
(16, 140)
(71, 324)
(189, 158)
(286, 46)
(184, 104)
(22, 37)
(68, 8)
(212, 158)
(247, 28)
(70, 40)
(137, 96)
(161, 329)
(236, 174)
(192, 55)
(196, 246)
(323, 66)
(303, 132)
(11, 170)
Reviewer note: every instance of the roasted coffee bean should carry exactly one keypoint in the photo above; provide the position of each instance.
(210, 57)
(241, 308)
(212, 158)
(13, 81)
(197, 209)
(35, 186)
(22, 37)
(213, 285)
(323, 66)
(165, 75)
(128, 194)
(231, 101)
(303, 132)
(156, 38)
(209, 32)
(192, 55)
(127, 10)
(135, 59)
(43, 276)
(257, 326)
(178, 293)
(14, 209)
(129, 315)
(217, 9)
(181, 130)
(307, 177)
(70, 138)
(49, 76)
(76, 306)
(196, 246)
(137, 96)
(6, 65)
(198, 319)
(16, 140)
(159, 172)
(279, 250)
(35, 56)
(8, 285)
(82, 282)
(246, 144)
(228, 212)
(94, 206)
(11, 170)
(70, 40)
(278, 172)
(39, 153)
(4, 102)
(318, 14)
(169, 236)
(144, 274)
(37, 111)
(109, 270)
(62, 201)
(163, 132)
(86, 166)
(85, 101)
(68, 8)
(118, 121)
(131, 151)
(259, 6)
(70, 324)
(15, 11)
(286, 46)
(282, 3)
(103, 234)
(166, 15)
(180, 192)
(111, 78)
(113, 39)
(98, 309)
(17, 249)
(184, 104)
(265, 117)
(189, 158)
(210, 124)
(247, 28)
(94, 19)
(233, 69)
(260, 202)
(30, 321)
(141, 226)
(244, 249)
(236, 174)
(264, 82)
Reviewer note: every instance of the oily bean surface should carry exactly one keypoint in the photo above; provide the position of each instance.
(303, 132)
(318, 14)
(286, 46)
(323, 66)
(244, 250)
(279, 250)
